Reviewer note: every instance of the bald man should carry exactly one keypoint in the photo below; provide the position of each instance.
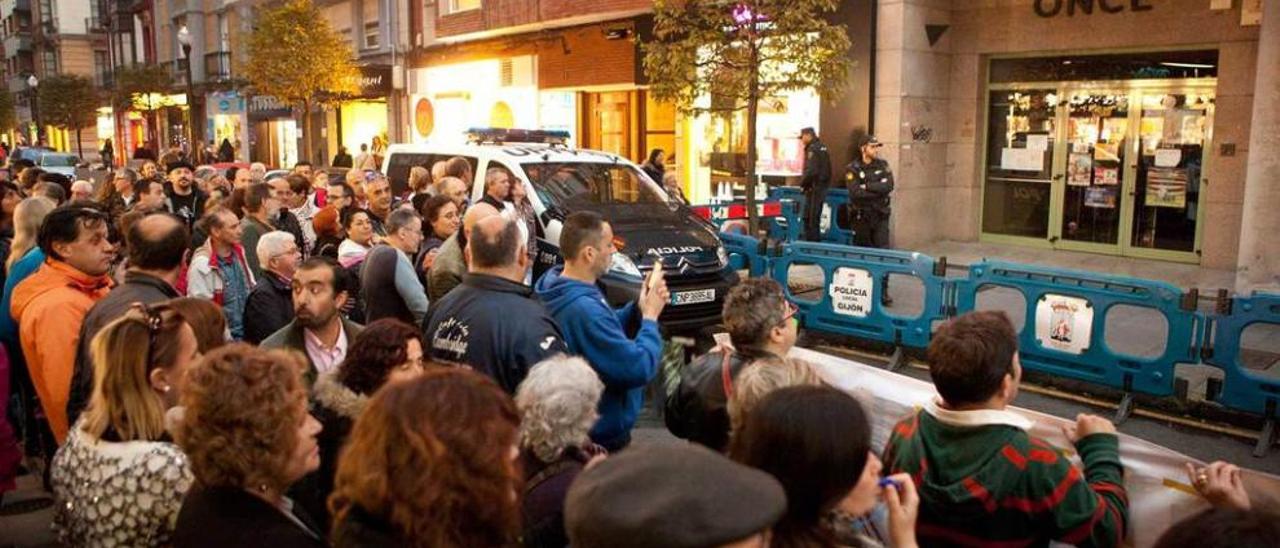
(451, 263)
(472, 324)
(157, 252)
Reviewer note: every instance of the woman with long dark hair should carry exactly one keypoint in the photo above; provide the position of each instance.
(816, 441)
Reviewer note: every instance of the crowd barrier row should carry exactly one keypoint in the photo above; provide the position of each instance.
(1064, 327)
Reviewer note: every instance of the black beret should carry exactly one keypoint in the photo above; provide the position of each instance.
(179, 164)
(677, 496)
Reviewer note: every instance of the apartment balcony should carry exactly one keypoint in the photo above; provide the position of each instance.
(94, 24)
(8, 7)
(14, 43)
(217, 66)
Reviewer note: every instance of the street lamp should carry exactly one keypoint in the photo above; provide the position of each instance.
(184, 38)
(33, 83)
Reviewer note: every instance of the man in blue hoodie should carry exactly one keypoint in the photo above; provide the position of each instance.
(599, 333)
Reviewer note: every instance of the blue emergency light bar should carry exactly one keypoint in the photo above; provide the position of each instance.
(497, 135)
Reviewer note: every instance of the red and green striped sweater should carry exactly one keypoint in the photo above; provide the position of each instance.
(984, 481)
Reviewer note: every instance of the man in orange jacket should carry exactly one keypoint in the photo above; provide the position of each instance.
(51, 305)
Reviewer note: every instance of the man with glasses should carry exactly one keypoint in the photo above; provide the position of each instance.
(761, 324)
(270, 304)
(389, 285)
(283, 190)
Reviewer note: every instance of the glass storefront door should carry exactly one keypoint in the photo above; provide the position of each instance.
(1097, 131)
(1114, 168)
(1171, 142)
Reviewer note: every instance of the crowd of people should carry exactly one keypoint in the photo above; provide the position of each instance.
(232, 361)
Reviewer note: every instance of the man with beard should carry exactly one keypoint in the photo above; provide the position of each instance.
(185, 199)
(317, 330)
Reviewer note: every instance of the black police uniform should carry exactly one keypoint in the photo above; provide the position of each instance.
(815, 180)
(869, 187)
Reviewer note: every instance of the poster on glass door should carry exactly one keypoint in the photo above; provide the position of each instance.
(1080, 169)
(1166, 187)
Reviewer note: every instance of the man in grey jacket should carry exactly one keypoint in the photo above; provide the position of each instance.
(389, 285)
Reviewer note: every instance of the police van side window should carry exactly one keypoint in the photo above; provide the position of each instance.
(399, 165)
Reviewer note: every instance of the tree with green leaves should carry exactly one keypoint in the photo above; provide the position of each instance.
(69, 101)
(720, 57)
(143, 88)
(295, 55)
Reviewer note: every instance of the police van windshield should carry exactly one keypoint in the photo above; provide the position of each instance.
(578, 184)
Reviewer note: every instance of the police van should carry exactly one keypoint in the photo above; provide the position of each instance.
(648, 226)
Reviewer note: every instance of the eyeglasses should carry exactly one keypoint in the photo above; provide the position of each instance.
(791, 312)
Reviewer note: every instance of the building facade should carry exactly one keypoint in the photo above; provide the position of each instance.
(47, 37)
(1108, 127)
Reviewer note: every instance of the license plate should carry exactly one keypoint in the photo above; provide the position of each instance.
(693, 297)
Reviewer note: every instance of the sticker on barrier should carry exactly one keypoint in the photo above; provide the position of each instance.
(850, 292)
(1068, 335)
(1064, 323)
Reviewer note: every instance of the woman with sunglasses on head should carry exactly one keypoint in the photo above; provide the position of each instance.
(761, 324)
(119, 480)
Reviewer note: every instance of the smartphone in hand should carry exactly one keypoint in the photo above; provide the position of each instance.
(654, 276)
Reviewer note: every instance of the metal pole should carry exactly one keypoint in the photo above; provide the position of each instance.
(35, 109)
(191, 107)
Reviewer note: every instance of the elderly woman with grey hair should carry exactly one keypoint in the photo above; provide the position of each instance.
(557, 403)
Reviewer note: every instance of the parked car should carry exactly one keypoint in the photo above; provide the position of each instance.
(62, 163)
(648, 225)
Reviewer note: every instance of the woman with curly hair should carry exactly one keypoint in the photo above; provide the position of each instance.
(431, 462)
(248, 436)
(388, 350)
(119, 479)
(557, 404)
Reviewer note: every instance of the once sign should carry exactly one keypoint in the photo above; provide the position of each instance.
(1051, 8)
(850, 292)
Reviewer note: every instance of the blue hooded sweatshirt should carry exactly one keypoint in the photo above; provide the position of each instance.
(596, 332)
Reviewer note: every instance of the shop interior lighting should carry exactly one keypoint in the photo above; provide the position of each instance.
(1187, 65)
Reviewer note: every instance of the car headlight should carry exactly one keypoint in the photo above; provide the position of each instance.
(722, 255)
(623, 264)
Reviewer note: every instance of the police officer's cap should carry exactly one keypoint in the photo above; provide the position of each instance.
(809, 131)
(864, 140)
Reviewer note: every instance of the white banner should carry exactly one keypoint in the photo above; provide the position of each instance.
(1155, 476)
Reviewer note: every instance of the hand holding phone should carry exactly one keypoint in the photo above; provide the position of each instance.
(653, 293)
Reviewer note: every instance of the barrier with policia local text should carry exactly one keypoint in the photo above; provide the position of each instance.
(852, 286)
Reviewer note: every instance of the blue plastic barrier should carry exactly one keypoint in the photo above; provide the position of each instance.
(837, 200)
(744, 253)
(853, 280)
(1241, 389)
(1060, 346)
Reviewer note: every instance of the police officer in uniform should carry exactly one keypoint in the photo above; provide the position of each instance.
(816, 179)
(870, 182)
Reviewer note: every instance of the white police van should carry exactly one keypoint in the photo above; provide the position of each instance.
(647, 225)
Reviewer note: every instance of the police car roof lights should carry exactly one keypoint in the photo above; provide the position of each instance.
(498, 136)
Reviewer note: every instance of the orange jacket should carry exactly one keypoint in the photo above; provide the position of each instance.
(50, 306)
